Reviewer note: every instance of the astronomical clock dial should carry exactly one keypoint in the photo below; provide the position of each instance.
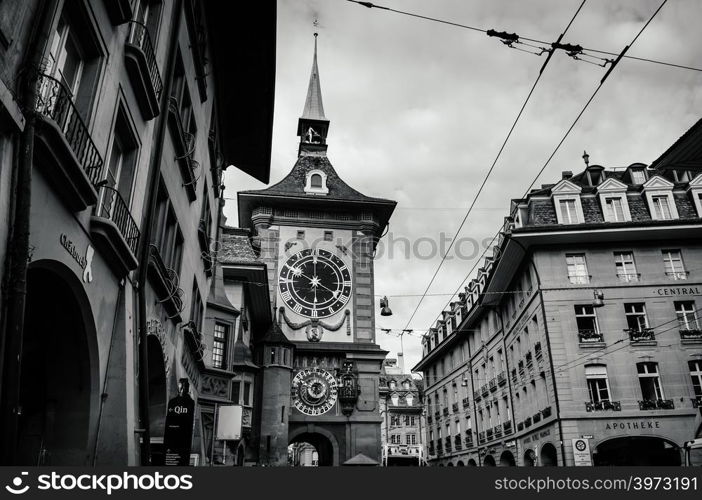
(314, 391)
(315, 283)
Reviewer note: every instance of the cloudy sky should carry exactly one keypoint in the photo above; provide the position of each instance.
(419, 110)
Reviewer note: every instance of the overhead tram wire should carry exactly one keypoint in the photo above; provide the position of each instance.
(592, 97)
(518, 39)
(490, 170)
(568, 131)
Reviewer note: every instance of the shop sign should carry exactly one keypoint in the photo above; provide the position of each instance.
(633, 425)
(229, 422)
(178, 435)
(581, 452)
(85, 262)
(683, 290)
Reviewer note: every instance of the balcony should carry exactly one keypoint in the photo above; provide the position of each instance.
(507, 427)
(546, 412)
(629, 277)
(64, 148)
(643, 335)
(590, 336)
(493, 385)
(431, 449)
(536, 418)
(119, 11)
(527, 422)
(498, 431)
(466, 402)
(514, 375)
(430, 419)
(520, 426)
(447, 445)
(166, 285)
(677, 275)
(437, 414)
(469, 440)
(485, 390)
(501, 379)
(454, 407)
(538, 353)
(184, 143)
(488, 434)
(140, 61)
(115, 232)
(603, 405)
(457, 443)
(656, 404)
(694, 335)
(445, 411)
(529, 362)
(477, 396)
(481, 437)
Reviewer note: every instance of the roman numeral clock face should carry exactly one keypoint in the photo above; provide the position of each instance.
(315, 283)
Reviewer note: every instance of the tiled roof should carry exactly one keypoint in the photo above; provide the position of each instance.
(294, 183)
(686, 152)
(236, 247)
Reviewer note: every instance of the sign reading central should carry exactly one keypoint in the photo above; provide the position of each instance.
(314, 391)
(315, 283)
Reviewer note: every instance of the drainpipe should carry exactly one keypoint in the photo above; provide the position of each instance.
(548, 347)
(18, 253)
(145, 240)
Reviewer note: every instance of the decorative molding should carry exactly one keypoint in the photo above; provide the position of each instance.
(316, 323)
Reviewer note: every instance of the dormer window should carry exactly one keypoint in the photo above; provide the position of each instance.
(595, 176)
(638, 176)
(615, 205)
(566, 199)
(695, 189)
(316, 182)
(659, 195)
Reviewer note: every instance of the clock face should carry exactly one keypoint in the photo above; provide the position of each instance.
(315, 283)
(314, 391)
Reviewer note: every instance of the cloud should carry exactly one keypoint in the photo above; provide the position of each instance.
(419, 110)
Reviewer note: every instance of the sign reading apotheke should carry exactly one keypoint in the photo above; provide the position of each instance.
(632, 425)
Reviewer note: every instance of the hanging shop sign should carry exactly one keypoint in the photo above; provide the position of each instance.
(178, 434)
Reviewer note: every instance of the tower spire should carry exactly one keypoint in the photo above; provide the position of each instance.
(312, 127)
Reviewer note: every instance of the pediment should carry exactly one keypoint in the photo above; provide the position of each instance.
(696, 182)
(657, 182)
(565, 187)
(611, 185)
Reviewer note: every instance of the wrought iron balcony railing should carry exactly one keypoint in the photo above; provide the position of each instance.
(112, 206)
(466, 402)
(454, 407)
(501, 378)
(139, 37)
(628, 277)
(507, 427)
(586, 336)
(603, 405)
(546, 412)
(691, 334)
(493, 384)
(677, 275)
(445, 411)
(527, 422)
(55, 101)
(644, 334)
(477, 396)
(497, 432)
(485, 390)
(538, 352)
(656, 404)
(536, 417)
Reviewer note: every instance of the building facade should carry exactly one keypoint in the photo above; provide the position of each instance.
(579, 341)
(117, 120)
(402, 408)
(320, 364)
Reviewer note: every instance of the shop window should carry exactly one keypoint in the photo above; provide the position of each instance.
(597, 383)
(650, 381)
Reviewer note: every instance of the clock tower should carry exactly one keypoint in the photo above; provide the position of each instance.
(317, 236)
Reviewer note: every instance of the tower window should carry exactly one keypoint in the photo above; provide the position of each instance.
(316, 181)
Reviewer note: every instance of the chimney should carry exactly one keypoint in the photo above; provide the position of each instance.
(401, 362)
(566, 174)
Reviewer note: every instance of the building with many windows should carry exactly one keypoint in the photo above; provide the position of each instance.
(579, 341)
(401, 406)
(117, 119)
